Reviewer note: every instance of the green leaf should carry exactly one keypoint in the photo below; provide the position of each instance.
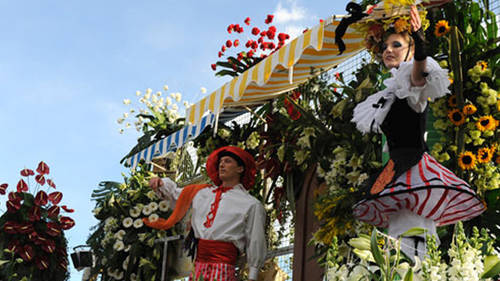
(377, 255)
(491, 267)
(409, 275)
(414, 231)
(2, 262)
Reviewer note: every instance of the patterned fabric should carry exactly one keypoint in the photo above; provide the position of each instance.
(213, 272)
(428, 189)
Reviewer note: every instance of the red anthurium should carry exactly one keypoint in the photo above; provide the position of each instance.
(41, 198)
(49, 246)
(269, 19)
(255, 31)
(220, 54)
(10, 227)
(26, 253)
(63, 263)
(247, 21)
(53, 229)
(67, 223)
(25, 228)
(3, 187)
(14, 246)
(33, 236)
(40, 240)
(40, 179)
(13, 206)
(51, 183)
(34, 214)
(55, 197)
(53, 212)
(22, 186)
(27, 172)
(61, 252)
(42, 262)
(43, 168)
(230, 28)
(223, 48)
(13, 196)
(67, 209)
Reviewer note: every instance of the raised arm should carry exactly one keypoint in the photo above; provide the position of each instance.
(420, 61)
(165, 188)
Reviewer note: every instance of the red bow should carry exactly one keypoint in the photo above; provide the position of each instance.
(215, 205)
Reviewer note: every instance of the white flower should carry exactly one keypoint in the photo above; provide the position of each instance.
(135, 212)
(158, 93)
(142, 236)
(142, 100)
(151, 195)
(132, 110)
(203, 90)
(110, 272)
(120, 120)
(149, 91)
(118, 246)
(127, 222)
(125, 263)
(153, 206)
(147, 96)
(175, 107)
(138, 223)
(186, 104)
(153, 217)
(119, 234)
(118, 275)
(137, 93)
(146, 211)
(168, 101)
(164, 205)
(125, 115)
(165, 87)
(128, 125)
(127, 248)
(126, 101)
(96, 211)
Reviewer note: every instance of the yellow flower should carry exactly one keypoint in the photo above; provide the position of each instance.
(456, 117)
(482, 64)
(451, 80)
(484, 155)
(401, 25)
(452, 101)
(467, 160)
(441, 28)
(486, 123)
(469, 109)
(498, 105)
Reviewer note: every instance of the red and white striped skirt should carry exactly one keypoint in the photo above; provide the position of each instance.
(213, 272)
(428, 189)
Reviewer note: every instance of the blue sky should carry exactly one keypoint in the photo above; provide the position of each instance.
(66, 66)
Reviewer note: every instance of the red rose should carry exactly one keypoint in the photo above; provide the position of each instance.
(255, 31)
(213, 66)
(3, 187)
(34, 214)
(247, 21)
(10, 227)
(236, 43)
(40, 179)
(51, 183)
(264, 46)
(65, 208)
(22, 186)
(53, 212)
(43, 168)
(53, 229)
(55, 197)
(229, 43)
(67, 223)
(230, 28)
(249, 43)
(27, 172)
(269, 19)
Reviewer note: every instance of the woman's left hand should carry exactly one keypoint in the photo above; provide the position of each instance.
(416, 22)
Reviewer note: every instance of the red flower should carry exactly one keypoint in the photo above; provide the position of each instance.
(239, 29)
(305, 30)
(272, 45)
(13, 206)
(63, 264)
(255, 31)
(53, 229)
(40, 179)
(295, 95)
(320, 21)
(229, 43)
(371, 9)
(11, 227)
(3, 187)
(262, 56)
(26, 253)
(283, 36)
(270, 34)
(14, 246)
(230, 28)
(269, 19)
(294, 114)
(213, 66)
(263, 33)
(250, 53)
(263, 46)
(51, 183)
(49, 246)
(67, 223)
(41, 198)
(55, 197)
(272, 28)
(42, 262)
(240, 55)
(22, 186)
(260, 40)
(337, 76)
(27, 172)
(220, 54)
(65, 208)
(247, 21)
(33, 236)
(43, 168)
(39, 240)
(255, 45)
(25, 228)
(53, 211)
(223, 48)
(34, 214)
(236, 43)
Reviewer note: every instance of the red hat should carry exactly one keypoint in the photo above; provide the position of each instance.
(241, 156)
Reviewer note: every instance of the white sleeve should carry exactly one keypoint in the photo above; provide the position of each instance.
(169, 191)
(256, 240)
(436, 84)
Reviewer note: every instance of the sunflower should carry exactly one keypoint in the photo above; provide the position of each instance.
(441, 28)
(486, 123)
(452, 101)
(456, 117)
(483, 65)
(469, 109)
(467, 160)
(484, 155)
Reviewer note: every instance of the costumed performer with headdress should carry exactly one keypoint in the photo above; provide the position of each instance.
(226, 219)
(413, 189)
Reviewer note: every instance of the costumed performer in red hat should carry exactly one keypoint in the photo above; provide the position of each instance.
(413, 189)
(226, 219)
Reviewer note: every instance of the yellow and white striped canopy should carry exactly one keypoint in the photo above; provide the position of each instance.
(282, 71)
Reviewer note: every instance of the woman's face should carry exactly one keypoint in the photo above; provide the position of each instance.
(395, 50)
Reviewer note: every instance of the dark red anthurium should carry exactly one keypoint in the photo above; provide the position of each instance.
(42, 262)
(13, 196)
(53, 212)
(67, 223)
(41, 198)
(26, 252)
(229, 43)
(14, 246)
(27, 172)
(51, 183)
(65, 208)
(49, 246)
(3, 188)
(10, 227)
(53, 229)
(22, 186)
(39, 240)
(25, 228)
(40, 179)
(34, 214)
(13, 205)
(43, 168)
(55, 197)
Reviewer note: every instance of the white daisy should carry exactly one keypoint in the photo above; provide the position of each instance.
(119, 245)
(153, 206)
(138, 223)
(119, 234)
(127, 222)
(146, 210)
(153, 217)
(164, 205)
(135, 212)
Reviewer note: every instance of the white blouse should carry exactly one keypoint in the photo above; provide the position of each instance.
(240, 219)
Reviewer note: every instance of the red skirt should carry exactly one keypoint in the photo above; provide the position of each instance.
(215, 260)
(428, 189)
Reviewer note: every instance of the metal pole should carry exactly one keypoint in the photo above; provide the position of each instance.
(165, 248)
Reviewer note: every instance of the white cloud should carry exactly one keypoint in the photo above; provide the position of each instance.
(294, 13)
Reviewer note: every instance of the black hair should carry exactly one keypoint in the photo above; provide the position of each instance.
(232, 155)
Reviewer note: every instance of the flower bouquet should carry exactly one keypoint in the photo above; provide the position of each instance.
(32, 230)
